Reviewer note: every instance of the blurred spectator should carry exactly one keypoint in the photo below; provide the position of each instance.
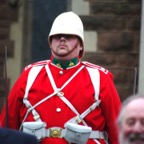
(131, 120)
(8, 136)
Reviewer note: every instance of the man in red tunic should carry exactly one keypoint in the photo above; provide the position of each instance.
(65, 100)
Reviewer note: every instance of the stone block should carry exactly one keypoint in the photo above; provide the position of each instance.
(4, 33)
(3, 2)
(124, 91)
(115, 8)
(10, 48)
(4, 12)
(133, 23)
(103, 23)
(2, 59)
(102, 59)
(115, 42)
(4, 23)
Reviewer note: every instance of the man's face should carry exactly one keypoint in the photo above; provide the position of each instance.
(65, 47)
(132, 128)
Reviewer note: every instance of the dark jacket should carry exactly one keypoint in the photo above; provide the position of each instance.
(8, 136)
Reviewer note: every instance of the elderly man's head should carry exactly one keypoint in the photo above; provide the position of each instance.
(131, 121)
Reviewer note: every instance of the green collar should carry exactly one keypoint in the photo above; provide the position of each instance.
(66, 64)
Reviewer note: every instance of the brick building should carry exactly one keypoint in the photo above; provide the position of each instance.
(112, 37)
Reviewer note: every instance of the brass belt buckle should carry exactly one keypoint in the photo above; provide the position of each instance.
(56, 133)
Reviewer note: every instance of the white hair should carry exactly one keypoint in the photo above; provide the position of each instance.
(125, 103)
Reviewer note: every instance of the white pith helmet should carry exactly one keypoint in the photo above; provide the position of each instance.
(68, 23)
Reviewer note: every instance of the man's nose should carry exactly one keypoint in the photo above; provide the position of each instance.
(62, 38)
(138, 127)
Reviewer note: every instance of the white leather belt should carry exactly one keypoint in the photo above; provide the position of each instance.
(98, 135)
(58, 132)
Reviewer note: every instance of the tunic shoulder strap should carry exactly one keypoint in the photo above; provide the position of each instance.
(95, 78)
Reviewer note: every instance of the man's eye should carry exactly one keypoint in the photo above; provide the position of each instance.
(130, 122)
(68, 36)
(57, 36)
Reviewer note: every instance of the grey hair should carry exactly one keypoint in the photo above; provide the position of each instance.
(125, 103)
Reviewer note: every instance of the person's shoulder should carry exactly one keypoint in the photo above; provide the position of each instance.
(8, 136)
(94, 66)
(36, 64)
(27, 138)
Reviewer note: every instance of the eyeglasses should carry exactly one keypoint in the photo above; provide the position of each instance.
(66, 36)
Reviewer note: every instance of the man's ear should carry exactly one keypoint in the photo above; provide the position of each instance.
(80, 43)
(50, 42)
(81, 48)
(50, 45)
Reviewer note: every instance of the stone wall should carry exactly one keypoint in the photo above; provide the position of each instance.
(8, 15)
(117, 24)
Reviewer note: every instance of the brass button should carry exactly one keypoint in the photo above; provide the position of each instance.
(61, 72)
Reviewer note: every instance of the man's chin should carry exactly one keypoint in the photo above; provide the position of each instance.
(133, 142)
(137, 142)
(123, 140)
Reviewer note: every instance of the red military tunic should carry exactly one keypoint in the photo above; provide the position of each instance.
(80, 92)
